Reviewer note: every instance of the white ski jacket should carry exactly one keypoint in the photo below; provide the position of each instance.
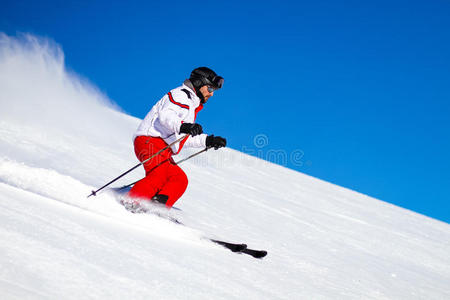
(180, 105)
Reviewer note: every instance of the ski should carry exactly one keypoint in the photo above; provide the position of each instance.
(241, 248)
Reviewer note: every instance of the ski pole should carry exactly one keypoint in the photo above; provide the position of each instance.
(94, 193)
(191, 156)
(177, 163)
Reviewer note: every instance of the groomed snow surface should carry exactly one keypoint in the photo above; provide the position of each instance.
(60, 138)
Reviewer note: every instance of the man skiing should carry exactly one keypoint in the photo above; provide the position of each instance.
(170, 119)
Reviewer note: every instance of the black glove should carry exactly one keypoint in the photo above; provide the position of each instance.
(215, 141)
(191, 128)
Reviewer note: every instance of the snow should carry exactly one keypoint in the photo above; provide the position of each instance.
(60, 138)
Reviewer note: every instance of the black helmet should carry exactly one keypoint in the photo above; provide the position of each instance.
(205, 76)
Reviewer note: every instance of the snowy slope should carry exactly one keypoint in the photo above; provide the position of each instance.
(60, 138)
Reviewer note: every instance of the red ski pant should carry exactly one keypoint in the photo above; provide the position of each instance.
(163, 176)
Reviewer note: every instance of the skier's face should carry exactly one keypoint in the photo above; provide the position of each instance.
(206, 94)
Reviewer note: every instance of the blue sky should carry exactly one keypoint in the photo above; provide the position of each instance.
(360, 89)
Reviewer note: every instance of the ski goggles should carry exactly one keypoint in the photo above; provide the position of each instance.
(214, 84)
(218, 82)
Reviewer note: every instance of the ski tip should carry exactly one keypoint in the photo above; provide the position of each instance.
(261, 254)
(255, 253)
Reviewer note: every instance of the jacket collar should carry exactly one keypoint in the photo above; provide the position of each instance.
(188, 85)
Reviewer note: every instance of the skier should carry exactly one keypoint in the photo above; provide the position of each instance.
(171, 118)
